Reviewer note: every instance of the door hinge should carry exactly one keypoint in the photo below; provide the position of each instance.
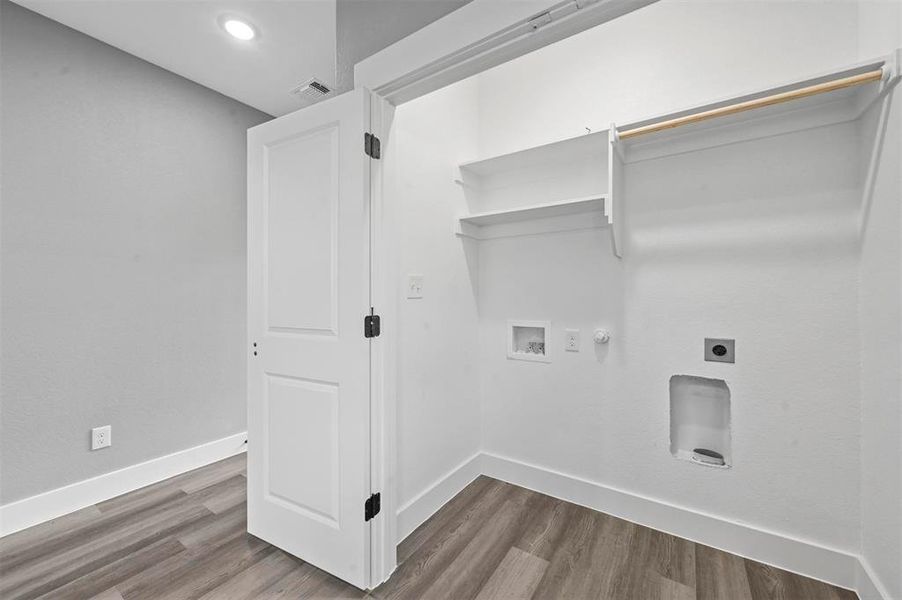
(372, 146)
(372, 506)
(371, 325)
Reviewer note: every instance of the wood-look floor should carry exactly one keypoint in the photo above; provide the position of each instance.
(185, 538)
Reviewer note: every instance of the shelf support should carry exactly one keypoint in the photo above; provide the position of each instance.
(614, 205)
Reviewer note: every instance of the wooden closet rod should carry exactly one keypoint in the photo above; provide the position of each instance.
(732, 109)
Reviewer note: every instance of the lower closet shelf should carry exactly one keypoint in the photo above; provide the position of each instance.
(574, 214)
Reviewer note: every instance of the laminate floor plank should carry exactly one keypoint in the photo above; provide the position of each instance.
(15, 543)
(545, 522)
(207, 571)
(42, 576)
(516, 578)
(180, 485)
(720, 575)
(110, 594)
(234, 494)
(466, 574)
(440, 520)
(250, 583)
(103, 580)
(186, 538)
(297, 583)
(417, 573)
(198, 479)
(770, 583)
(672, 557)
(142, 499)
(651, 562)
(614, 574)
(567, 575)
(121, 522)
(211, 532)
(76, 537)
(672, 590)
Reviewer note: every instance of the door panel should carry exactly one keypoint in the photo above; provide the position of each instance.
(308, 292)
(302, 422)
(302, 237)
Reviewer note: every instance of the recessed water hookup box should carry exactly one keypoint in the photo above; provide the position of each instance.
(529, 340)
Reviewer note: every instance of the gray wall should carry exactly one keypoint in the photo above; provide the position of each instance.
(123, 257)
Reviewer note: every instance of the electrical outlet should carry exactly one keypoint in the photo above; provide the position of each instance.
(720, 350)
(101, 437)
(571, 340)
(414, 286)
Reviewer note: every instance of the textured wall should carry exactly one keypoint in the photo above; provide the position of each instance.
(123, 257)
(437, 379)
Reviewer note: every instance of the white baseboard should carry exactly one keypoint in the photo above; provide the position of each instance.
(805, 558)
(427, 503)
(24, 513)
(799, 556)
(868, 585)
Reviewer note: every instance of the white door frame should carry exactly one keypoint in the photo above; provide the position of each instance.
(468, 41)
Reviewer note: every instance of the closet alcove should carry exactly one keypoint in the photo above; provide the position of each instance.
(724, 219)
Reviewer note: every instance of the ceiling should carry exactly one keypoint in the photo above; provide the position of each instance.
(297, 39)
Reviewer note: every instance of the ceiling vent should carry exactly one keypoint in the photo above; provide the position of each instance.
(312, 90)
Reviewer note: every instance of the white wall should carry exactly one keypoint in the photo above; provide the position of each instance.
(751, 241)
(755, 242)
(438, 398)
(880, 26)
(123, 257)
(666, 56)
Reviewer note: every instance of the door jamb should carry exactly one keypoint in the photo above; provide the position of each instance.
(383, 409)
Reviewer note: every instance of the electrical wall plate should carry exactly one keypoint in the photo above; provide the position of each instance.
(720, 350)
(571, 340)
(101, 437)
(414, 286)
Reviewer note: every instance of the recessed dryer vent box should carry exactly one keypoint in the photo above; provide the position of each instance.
(700, 418)
(529, 340)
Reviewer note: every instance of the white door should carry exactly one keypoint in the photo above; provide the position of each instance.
(309, 362)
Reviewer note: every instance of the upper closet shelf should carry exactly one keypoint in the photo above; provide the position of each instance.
(592, 146)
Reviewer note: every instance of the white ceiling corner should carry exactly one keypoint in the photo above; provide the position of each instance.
(296, 41)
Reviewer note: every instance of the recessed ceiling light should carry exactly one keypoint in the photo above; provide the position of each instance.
(239, 29)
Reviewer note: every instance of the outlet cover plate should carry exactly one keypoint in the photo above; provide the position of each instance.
(101, 437)
(414, 286)
(571, 340)
(720, 350)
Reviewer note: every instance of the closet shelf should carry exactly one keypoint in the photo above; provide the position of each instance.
(590, 204)
(568, 215)
(590, 146)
